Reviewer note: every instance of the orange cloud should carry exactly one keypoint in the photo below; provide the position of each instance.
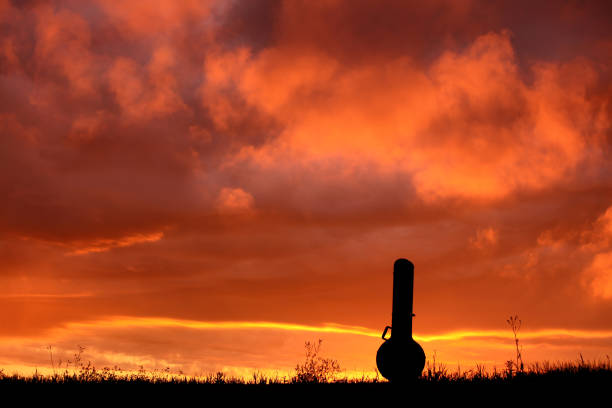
(484, 237)
(165, 16)
(140, 98)
(469, 127)
(234, 200)
(103, 245)
(599, 275)
(63, 42)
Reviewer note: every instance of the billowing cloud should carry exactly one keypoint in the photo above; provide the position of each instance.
(234, 200)
(600, 272)
(484, 237)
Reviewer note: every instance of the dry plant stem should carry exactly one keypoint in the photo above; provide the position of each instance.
(515, 325)
(51, 356)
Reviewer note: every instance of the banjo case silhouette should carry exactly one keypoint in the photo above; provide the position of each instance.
(400, 357)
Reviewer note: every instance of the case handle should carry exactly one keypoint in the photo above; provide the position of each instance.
(385, 332)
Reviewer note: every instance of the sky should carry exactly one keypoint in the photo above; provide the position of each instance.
(206, 185)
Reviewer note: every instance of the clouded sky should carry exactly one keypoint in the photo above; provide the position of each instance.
(208, 184)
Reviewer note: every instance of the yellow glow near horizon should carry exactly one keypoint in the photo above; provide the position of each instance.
(126, 321)
(460, 347)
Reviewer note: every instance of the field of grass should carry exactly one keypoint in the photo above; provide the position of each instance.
(545, 382)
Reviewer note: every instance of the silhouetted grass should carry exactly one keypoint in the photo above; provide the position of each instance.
(542, 383)
(434, 374)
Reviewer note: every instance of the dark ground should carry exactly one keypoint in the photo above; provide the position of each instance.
(589, 388)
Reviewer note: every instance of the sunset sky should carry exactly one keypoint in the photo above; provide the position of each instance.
(206, 185)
